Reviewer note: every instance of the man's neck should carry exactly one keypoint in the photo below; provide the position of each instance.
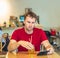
(28, 31)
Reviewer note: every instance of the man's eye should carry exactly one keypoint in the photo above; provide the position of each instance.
(28, 22)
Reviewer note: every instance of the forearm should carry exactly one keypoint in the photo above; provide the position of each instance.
(46, 44)
(13, 46)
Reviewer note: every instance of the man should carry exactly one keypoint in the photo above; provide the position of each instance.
(29, 37)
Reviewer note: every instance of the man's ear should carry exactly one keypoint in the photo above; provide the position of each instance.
(24, 22)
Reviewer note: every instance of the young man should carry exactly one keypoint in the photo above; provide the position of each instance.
(29, 37)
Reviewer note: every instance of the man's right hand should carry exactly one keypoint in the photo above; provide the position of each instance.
(26, 44)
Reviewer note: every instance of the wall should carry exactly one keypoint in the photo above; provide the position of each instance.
(48, 10)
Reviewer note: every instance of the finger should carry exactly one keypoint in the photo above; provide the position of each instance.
(25, 45)
(50, 52)
(31, 46)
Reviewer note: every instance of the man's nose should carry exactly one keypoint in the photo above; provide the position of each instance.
(30, 24)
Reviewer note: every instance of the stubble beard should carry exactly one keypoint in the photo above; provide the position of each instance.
(29, 31)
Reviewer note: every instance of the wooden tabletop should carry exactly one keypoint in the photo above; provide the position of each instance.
(33, 55)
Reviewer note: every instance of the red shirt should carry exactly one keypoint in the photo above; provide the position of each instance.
(38, 36)
(53, 32)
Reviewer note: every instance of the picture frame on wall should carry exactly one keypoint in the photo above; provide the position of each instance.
(28, 9)
(38, 21)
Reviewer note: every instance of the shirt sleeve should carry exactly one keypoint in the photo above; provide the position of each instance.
(43, 36)
(15, 35)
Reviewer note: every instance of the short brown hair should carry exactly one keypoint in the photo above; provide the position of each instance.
(31, 14)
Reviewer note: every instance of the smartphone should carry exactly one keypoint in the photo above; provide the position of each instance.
(42, 53)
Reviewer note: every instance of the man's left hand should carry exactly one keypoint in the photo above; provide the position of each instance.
(50, 51)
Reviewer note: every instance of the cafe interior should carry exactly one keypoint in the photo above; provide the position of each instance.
(12, 17)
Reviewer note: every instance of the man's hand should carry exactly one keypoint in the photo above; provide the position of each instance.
(48, 47)
(50, 50)
(26, 44)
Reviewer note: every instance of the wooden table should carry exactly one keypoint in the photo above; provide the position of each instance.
(27, 55)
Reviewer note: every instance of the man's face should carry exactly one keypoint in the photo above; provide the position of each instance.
(5, 35)
(29, 23)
